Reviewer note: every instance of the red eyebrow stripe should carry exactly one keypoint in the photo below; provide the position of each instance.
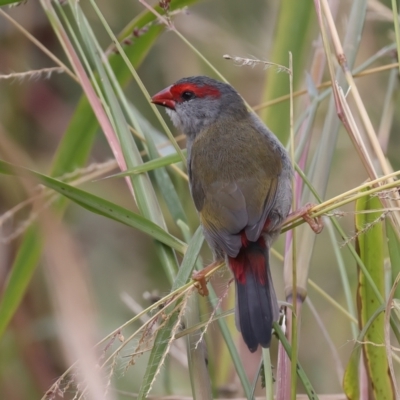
(199, 91)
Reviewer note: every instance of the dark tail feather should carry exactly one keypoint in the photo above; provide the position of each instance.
(256, 303)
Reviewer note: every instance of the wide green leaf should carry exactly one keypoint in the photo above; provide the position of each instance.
(370, 246)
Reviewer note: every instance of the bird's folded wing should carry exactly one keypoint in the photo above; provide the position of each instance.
(224, 215)
(257, 217)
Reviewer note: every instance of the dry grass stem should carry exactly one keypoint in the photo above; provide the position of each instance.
(39, 45)
(376, 147)
(348, 121)
(211, 318)
(48, 197)
(79, 176)
(166, 21)
(44, 73)
(251, 62)
(172, 338)
(144, 329)
(323, 85)
(164, 301)
(366, 228)
(349, 196)
(176, 351)
(332, 301)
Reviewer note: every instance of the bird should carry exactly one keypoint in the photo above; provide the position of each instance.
(240, 179)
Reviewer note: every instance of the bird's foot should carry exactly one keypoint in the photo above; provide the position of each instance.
(201, 279)
(316, 223)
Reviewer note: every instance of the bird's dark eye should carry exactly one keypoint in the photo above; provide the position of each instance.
(188, 95)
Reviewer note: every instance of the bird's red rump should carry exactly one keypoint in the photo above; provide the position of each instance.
(199, 91)
(251, 257)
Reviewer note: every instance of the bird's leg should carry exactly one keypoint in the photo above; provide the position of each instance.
(200, 277)
(316, 223)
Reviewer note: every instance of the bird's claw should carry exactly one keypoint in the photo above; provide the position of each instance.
(200, 282)
(315, 223)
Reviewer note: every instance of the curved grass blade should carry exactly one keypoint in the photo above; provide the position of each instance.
(231, 345)
(101, 206)
(191, 254)
(149, 166)
(351, 385)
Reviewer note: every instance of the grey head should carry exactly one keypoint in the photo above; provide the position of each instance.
(196, 102)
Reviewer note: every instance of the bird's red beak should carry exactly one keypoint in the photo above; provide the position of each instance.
(164, 98)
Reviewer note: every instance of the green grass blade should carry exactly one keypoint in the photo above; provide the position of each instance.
(163, 336)
(196, 351)
(226, 334)
(77, 141)
(292, 35)
(163, 180)
(20, 276)
(143, 189)
(394, 254)
(191, 254)
(312, 394)
(197, 355)
(351, 384)
(370, 245)
(101, 206)
(8, 2)
(149, 166)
